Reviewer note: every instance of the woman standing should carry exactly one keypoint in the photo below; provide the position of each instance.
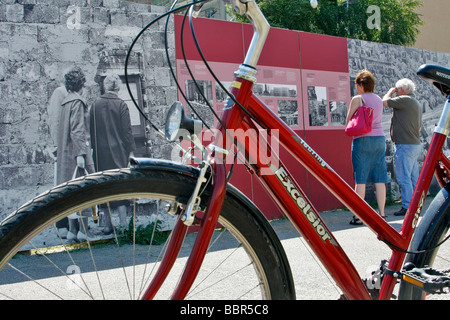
(74, 148)
(369, 150)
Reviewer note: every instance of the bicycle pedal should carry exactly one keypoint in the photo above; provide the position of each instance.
(428, 279)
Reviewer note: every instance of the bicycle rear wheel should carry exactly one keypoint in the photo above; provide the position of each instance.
(245, 259)
(428, 238)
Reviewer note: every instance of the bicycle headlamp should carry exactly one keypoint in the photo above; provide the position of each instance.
(173, 121)
(178, 124)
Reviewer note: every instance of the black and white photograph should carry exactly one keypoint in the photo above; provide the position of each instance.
(317, 106)
(288, 112)
(275, 90)
(200, 95)
(390, 63)
(338, 113)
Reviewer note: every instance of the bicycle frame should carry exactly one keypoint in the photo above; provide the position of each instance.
(301, 212)
(293, 201)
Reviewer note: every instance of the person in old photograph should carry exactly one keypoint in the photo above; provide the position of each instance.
(406, 123)
(368, 150)
(112, 137)
(74, 155)
(53, 111)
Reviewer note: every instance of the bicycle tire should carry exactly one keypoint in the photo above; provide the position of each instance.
(240, 217)
(429, 234)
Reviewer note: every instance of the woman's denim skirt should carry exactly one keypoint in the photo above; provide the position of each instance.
(369, 160)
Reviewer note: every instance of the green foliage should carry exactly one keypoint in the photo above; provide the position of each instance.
(143, 234)
(398, 20)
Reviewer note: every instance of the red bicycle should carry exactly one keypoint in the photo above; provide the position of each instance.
(200, 196)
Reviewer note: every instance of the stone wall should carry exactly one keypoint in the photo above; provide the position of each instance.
(39, 40)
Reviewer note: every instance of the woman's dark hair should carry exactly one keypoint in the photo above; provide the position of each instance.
(366, 79)
(75, 79)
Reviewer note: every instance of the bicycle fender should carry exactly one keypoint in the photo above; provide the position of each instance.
(166, 165)
(433, 214)
(161, 164)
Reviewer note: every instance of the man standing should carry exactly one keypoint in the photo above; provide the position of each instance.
(405, 133)
(112, 138)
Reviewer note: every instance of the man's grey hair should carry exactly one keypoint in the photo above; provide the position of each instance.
(406, 84)
(112, 83)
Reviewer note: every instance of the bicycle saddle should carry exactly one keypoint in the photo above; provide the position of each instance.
(436, 75)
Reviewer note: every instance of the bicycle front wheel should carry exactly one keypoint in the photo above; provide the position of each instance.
(245, 259)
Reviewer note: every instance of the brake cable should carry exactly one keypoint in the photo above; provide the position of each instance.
(168, 13)
(130, 50)
(215, 77)
(419, 251)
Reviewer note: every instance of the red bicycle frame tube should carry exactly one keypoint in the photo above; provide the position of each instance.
(286, 191)
(292, 200)
(206, 229)
(207, 226)
(432, 160)
(172, 251)
(297, 207)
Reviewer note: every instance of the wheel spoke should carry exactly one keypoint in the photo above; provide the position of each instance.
(123, 262)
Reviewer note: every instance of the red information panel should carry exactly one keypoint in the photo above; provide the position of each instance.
(282, 48)
(301, 77)
(326, 96)
(322, 52)
(219, 41)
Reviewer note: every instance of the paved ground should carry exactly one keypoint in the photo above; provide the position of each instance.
(360, 244)
(312, 282)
